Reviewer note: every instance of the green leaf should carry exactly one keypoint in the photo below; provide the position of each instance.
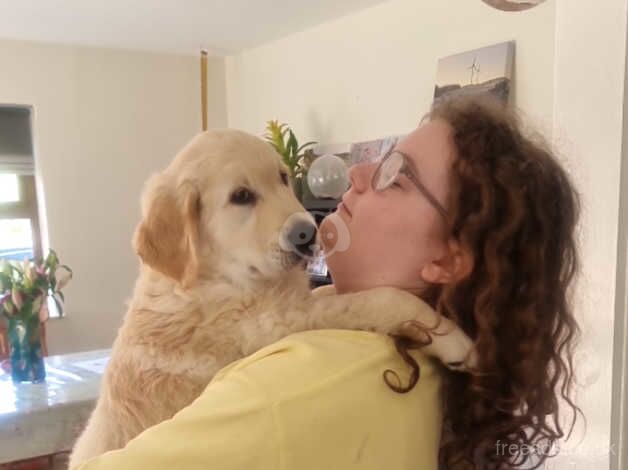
(275, 135)
(58, 304)
(5, 282)
(62, 267)
(292, 145)
(305, 145)
(286, 144)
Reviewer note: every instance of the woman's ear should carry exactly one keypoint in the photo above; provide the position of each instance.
(454, 265)
(167, 237)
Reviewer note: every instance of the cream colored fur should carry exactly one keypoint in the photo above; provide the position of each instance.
(215, 285)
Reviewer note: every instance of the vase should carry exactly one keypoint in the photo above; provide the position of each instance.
(27, 361)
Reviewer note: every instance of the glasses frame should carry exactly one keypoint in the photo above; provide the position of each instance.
(406, 170)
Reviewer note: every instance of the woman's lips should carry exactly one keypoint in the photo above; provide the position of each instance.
(342, 207)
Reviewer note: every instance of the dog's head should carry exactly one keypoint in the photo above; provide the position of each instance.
(223, 207)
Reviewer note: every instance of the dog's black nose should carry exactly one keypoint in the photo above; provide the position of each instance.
(302, 236)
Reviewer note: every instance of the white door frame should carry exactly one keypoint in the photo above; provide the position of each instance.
(619, 417)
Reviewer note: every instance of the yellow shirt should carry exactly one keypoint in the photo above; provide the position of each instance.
(312, 401)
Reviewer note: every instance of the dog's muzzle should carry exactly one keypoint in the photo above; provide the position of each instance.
(298, 235)
(302, 237)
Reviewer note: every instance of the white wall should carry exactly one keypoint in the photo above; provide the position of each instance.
(372, 73)
(103, 121)
(588, 112)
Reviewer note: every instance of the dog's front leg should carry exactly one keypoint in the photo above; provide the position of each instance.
(389, 310)
(382, 310)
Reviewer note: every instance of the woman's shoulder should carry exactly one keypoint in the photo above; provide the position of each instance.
(305, 360)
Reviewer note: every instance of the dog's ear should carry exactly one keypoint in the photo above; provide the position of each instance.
(168, 236)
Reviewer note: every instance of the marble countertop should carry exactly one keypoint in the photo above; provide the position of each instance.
(46, 418)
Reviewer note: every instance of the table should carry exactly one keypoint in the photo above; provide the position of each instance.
(46, 418)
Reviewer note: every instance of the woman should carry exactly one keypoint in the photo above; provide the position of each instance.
(478, 220)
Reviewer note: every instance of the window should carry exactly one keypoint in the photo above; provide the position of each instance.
(16, 239)
(20, 232)
(9, 189)
(20, 235)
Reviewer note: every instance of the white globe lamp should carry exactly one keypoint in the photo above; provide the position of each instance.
(328, 177)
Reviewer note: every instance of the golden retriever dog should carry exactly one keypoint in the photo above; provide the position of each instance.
(222, 241)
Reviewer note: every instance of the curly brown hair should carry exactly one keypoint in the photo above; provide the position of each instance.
(515, 209)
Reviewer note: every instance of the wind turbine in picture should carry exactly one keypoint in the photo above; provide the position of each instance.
(475, 71)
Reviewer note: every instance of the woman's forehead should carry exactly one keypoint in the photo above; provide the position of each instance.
(431, 148)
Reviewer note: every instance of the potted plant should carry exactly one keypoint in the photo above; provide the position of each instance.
(24, 291)
(296, 157)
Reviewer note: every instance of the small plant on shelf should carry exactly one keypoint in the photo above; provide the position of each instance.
(296, 157)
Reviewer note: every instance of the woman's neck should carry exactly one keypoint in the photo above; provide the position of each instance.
(346, 288)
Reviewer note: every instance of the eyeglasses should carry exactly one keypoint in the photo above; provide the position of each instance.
(396, 163)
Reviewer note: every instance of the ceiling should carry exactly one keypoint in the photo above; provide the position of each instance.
(180, 26)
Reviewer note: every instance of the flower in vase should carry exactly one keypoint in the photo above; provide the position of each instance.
(31, 274)
(27, 285)
(37, 303)
(5, 267)
(64, 279)
(17, 298)
(43, 312)
(7, 305)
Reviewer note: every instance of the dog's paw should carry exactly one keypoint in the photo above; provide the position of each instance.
(448, 343)
(322, 291)
(468, 364)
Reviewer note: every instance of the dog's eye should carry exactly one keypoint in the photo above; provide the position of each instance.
(243, 196)
(284, 178)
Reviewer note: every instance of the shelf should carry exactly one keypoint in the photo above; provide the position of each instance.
(322, 204)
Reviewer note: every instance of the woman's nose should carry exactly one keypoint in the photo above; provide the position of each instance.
(360, 176)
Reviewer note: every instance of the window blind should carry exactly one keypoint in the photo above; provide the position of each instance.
(16, 142)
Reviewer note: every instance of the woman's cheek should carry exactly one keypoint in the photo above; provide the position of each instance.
(327, 233)
(335, 236)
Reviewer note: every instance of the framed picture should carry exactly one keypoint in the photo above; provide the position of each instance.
(484, 70)
(372, 150)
